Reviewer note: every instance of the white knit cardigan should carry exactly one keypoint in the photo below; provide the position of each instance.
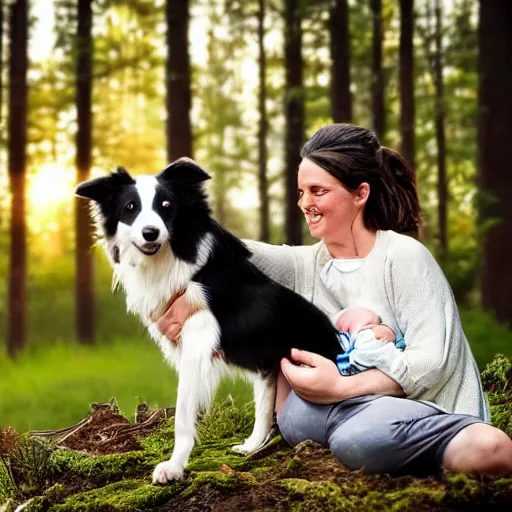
(401, 281)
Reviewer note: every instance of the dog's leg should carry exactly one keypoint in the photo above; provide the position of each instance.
(198, 380)
(264, 400)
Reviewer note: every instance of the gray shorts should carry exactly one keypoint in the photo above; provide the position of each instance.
(379, 434)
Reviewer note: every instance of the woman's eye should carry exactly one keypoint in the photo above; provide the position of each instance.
(320, 192)
(166, 204)
(130, 206)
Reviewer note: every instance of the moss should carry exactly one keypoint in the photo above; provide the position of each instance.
(460, 490)
(225, 481)
(211, 456)
(125, 496)
(161, 441)
(6, 489)
(357, 494)
(106, 468)
(412, 498)
(37, 504)
(224, 420)
(497, 380)
(312, 496)
(497, 375)
(501, 417)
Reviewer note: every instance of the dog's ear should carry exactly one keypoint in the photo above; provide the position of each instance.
(184, 171)
(101, 189)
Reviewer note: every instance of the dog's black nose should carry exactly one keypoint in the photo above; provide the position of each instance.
(150, 233)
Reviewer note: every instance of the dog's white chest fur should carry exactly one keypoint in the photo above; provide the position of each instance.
(149, 283)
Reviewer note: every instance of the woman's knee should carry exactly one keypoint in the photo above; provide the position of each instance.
(479, 448)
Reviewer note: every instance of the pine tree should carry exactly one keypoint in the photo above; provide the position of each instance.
(495, 153)
(264, 233)
(341, 97)
(179, 130)
(17, 133)
(84, 291)
(407, 80)
(294, 115)
(378, 111)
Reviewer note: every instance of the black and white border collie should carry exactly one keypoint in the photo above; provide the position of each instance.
(160, 238)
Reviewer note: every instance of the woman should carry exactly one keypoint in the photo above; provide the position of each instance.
(357, 197)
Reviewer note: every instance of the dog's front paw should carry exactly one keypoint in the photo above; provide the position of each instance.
(167, 471)
(240, 448)
(246, 448)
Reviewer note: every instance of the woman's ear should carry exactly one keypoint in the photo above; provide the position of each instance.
(362, 193)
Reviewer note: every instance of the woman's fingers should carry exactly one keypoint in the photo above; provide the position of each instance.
(304, 357)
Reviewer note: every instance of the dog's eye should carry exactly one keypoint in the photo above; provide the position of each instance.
(166, 204)
(130, 206)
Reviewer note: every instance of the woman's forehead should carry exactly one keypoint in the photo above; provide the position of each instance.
(312, 174)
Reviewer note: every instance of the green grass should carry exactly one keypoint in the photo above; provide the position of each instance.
(53, 388)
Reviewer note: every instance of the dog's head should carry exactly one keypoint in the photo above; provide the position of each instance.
(148, 212)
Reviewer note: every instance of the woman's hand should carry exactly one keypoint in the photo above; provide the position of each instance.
(319, 382)
(382, 332)
(171, 320)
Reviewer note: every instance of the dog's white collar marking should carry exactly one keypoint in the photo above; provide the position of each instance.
(149, 287)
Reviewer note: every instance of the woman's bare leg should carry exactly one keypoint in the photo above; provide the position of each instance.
(283, 390)
(479, 448)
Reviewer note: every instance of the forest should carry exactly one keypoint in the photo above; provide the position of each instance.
(238, 85)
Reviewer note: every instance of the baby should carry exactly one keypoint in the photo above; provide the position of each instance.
(363, 338)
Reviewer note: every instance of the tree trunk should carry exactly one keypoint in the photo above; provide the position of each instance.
(84, 263)
(294, 115)
(378, 113)
(263, 130)
(1, 63)
(18, 91)
(442, 181)
(495, 153)
(178, 100)
(341, 98)
(407, 80)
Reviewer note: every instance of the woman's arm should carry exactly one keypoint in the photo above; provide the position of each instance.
(321, 382)
(276, 261)
(427, 315)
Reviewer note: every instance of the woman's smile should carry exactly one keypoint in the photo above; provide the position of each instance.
(313, 217)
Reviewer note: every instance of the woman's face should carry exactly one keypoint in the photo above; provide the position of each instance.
(328, 206)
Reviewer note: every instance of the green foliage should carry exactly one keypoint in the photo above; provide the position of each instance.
(485, 335)
(25, 464)
(498, 375)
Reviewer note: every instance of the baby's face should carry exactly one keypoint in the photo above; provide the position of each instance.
(354, 319)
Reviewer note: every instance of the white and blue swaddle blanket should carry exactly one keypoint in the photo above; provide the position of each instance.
(361, 351)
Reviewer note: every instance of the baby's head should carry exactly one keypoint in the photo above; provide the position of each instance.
(354, 319)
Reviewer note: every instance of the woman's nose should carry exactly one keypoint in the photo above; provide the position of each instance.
(304, 201)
